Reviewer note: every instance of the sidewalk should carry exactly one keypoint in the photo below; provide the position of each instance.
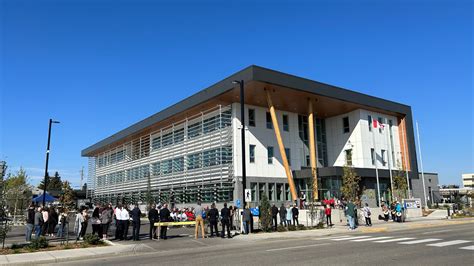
(131, 248)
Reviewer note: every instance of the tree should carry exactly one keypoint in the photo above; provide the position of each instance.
(400, 186)
(17, 191)
(4, 227)
(67, 198)
(265, 215)
(54, 183)
(350, 183)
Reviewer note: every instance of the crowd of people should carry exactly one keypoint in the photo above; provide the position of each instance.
(45, 221)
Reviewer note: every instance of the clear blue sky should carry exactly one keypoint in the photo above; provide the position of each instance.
(99, 66)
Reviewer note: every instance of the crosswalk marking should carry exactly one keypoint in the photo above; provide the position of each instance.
(371, 239)
(349, 238)
(420, 241)
(449, 243)
(468, 248)
(394, 240)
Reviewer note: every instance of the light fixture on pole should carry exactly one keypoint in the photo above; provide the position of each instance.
(51, 121)
(242, 121)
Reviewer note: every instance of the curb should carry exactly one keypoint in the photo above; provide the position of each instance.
(79, 254)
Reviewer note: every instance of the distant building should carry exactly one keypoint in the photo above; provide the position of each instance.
(468, 180)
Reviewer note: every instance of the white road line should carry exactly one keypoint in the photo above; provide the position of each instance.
(371, 239)
(419, 241)
(449, 243)
(349, 238)
(468, 248)
(297, 247)
(394, 240)
(331, 237)
(439, 231)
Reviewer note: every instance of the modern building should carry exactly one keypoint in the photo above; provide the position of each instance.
(431, 188)
(193, 150)
(468, 180)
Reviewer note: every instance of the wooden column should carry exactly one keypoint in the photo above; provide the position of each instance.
(312, 150)
(281, 147)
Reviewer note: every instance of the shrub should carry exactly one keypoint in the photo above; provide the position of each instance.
(301, 227)
(91, 239)
(281, 229)
(292, 228)
(36, 244)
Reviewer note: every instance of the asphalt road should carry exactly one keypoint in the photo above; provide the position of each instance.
(453, 245)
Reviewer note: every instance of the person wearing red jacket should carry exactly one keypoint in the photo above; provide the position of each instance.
(327, 211)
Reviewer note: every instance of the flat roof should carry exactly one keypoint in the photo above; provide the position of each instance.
(252, 73)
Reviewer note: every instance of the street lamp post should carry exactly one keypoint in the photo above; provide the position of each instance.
(242, 121)
(47, 160)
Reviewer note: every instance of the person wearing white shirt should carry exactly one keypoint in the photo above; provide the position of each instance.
(119, 223)
(126, 222)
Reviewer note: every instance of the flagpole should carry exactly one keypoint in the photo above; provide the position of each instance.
(376, 167)
(421, 164)
(390, 159)
(406, 159)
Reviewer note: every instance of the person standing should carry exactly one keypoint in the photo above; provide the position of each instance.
(198, 212)
(95, 221)
(38, 222)
(274, 212)
(125, 221)
(327, 211)
(282, 215)
(153, 218)
(45, 228)
(106, 219)
(398, 212)
(350, 212)
(295, 212)
(165, 216)
(302, 200)
(62, 221)
(247, 218)
(367, 213)
(289, 215)
(136, 214)
(85, 222)
(231, 217)
(225, 220)
(53, 221)
(30, 222)
(119, 225)
(78, 223)
(213, 216)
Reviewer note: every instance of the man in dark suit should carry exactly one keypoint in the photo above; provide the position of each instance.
(153, 217)
(225, 220)
(165, 216)
(213, 216)
(136, 214)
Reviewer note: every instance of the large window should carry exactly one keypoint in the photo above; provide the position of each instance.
(372, 155)
(178, 135)
(251, 117)
(167, 139)
(303, 128)
(286, 124)
(262, 190)
(178, 164)
(252, 153)
(167, 167)
(156, 169)
(211, 157)
(194, 130)
(280, 190)
(345, 125)
(369, 119)
(270, 154)
(269, 120)
(253, 188)
(380, 124)
(271, 192)
(194, 161)
(156, 143)
(288, 155)
(349, 157)
(384, 157)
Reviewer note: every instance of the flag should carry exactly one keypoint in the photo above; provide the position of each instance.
(376, 124)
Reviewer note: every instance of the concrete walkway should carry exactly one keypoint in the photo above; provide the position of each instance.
(130, 248)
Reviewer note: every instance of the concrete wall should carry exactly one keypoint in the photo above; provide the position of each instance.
(431, 181)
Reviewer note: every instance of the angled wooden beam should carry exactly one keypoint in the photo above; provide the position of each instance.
(312, 150)
(281, 147)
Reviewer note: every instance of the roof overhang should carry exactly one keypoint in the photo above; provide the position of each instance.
(330, 100)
